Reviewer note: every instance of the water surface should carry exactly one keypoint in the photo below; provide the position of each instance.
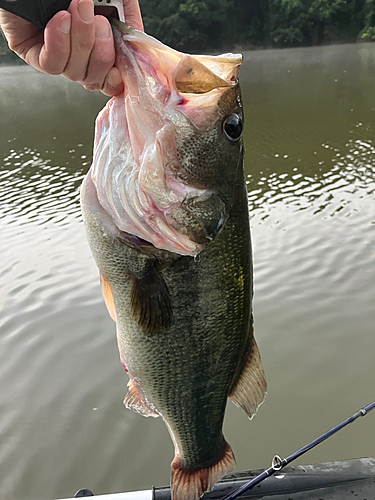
(310, 164)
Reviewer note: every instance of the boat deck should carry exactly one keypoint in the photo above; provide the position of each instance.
(343, 480)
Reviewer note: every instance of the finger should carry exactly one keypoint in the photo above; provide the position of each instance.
(55, 52)
(133, 14)
(82, 39)
(46, 52)
(23, 38)
(113, 84)
(102, 56)
(18, 32)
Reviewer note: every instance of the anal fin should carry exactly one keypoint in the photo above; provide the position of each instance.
(134, 402)
(150, 302)
(251, 387)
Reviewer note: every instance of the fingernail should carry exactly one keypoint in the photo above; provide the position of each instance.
(102, 30)
(114, 79)
(86, 11)
(65, 24)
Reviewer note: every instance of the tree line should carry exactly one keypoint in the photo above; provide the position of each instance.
(212, 25)
(192, 25)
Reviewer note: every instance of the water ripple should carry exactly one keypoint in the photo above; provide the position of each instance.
(350, 179)
(310, 160)
(34, 189)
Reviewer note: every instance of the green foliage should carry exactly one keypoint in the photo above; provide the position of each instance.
(205, 13)
(191, 25)
(368, 32)
(286, 22)
(214, 25)
(324, 10)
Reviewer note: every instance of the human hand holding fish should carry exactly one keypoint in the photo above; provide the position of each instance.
(75, 43)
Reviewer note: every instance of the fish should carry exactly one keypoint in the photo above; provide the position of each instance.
(166, 216)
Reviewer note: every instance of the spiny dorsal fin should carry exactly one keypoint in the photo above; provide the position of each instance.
(134, 402)
(193, 77)
(251, 387)
(108, 297)
(150, 302)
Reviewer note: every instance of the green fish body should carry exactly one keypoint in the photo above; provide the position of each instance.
(166, 216)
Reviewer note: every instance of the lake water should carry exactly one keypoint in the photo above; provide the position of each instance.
(310, 162)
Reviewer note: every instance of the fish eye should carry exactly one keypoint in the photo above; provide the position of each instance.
(233, 127)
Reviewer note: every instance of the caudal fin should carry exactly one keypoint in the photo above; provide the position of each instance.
(191, 484)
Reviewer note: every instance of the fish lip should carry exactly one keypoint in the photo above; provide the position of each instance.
(225, 67)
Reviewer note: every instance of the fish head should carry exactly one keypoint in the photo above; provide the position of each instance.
(168, 150)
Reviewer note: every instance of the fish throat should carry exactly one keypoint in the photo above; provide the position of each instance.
(148, 180)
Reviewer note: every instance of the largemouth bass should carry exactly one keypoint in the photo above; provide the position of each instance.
(166, 215)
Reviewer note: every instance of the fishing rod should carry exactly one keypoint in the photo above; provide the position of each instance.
(278, 463)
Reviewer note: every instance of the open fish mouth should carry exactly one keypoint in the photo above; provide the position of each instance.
(145, 180)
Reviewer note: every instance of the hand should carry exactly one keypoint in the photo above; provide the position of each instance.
(75, 44)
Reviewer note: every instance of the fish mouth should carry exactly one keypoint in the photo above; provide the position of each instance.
(140, 181)
(192, 83)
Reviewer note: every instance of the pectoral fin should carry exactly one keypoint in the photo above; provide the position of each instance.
(150, 302)
(108, 297)
(251, 387)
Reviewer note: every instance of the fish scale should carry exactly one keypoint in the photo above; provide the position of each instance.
(184, 319)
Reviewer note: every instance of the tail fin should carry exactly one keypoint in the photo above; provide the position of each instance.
(191, 484)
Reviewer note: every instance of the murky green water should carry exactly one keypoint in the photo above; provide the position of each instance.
(310, 144)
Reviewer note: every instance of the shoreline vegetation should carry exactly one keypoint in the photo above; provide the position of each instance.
(227, 25)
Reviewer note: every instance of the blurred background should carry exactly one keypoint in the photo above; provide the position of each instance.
(310, 167)
(206, 25)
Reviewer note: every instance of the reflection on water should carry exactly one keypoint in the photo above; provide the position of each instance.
(310, 128)
(350, 179)
(32, 187)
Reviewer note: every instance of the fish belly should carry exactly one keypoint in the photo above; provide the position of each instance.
(184, 365)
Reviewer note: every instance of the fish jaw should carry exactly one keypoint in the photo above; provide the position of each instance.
(122, 182)
(173, 84)
(140, 179)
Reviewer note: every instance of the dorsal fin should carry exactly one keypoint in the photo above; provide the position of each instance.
(193, 77)
(251, 387)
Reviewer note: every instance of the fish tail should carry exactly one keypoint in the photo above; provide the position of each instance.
(191, 484)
